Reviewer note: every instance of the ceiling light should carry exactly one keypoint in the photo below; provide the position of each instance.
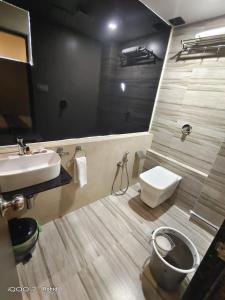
(112, 26)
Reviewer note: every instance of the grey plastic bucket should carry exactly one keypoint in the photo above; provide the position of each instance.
(170, 271)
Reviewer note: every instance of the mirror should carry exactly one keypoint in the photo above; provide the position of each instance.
(97, 65)
(15, 37)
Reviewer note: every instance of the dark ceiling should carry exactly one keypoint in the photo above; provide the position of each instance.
(91, 17)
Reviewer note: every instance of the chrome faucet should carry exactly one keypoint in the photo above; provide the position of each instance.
(21, 146)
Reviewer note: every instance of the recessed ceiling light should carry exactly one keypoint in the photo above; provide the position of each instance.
(112, 26)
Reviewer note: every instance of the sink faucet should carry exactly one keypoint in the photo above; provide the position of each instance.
(21, 146)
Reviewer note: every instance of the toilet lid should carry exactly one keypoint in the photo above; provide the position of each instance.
(159, 178)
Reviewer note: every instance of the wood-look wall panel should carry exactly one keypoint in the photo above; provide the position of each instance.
(190, 186)
(192, 92)
(141, 83)
(211, 203)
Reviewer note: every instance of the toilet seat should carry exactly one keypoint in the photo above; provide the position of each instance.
(159, 178)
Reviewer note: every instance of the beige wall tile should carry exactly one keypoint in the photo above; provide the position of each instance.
(102, 157)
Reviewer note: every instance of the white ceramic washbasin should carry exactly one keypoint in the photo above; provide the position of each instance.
(18, 172)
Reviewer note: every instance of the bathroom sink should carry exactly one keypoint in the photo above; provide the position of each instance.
(17, 172)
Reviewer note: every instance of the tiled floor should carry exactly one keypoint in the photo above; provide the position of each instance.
(100, 252)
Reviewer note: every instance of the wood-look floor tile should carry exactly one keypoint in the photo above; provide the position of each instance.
(101, 251)
(72, 289)
(110, 221)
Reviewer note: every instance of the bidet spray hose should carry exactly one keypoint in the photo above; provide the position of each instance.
(123, 166)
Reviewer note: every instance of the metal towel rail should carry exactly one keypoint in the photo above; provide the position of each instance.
(78, 149)
(202, 47)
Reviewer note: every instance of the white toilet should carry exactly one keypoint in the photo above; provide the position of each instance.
(158, 185)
